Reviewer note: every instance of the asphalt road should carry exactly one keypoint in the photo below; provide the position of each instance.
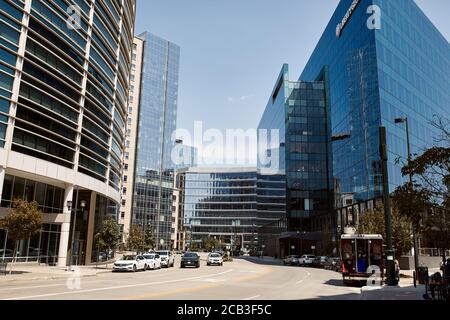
(242, 279)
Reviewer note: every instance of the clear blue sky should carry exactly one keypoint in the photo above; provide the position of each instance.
(233, 50)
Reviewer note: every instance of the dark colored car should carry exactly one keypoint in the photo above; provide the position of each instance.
(320, 262)
(190, 259)
(334, 264)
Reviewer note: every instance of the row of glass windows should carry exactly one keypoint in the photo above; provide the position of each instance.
(42, 247)
(49, 198)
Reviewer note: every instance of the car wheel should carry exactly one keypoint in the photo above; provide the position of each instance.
(145, 267)
(134, 268)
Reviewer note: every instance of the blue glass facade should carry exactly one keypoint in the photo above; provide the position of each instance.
(154, 178)
(298, 109)
(230, 204)
(375, 76)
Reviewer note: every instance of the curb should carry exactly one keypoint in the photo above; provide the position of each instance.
(58, 277)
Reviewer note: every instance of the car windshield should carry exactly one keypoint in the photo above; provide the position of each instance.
(149, 256)
(190, 255)
(214, 255)
(162, 253)
(295, 257)
(128, 258)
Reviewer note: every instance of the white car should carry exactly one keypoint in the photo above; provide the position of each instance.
(214, 259)
(130, 263)
(307, 260)
(167, 258)
(153, 261)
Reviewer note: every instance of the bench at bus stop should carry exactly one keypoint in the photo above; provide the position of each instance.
(437, 287)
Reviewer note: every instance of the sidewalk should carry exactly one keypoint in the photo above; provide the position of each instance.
(404, 291)
(36, 272)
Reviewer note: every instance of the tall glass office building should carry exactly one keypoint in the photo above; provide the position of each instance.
(64, 77)
(298, 109)
(231, 204)
(376, 75)
(154, 170)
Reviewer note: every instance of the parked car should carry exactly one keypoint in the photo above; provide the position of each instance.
(190, 259)
(320, 262)
(214, 259)
(334, 264)
(291, 261)
(130, 263)
(167, 258)
(307, 260)
(153, 261)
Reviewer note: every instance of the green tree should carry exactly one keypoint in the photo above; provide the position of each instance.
(373, 222)
(22, 221)
(425, 200)
(149, 239)
(136, 238)
(209, 244)
(107, 239)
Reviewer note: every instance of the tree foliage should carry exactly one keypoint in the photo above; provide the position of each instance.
(149, 239)
(209, 244)
(426, 200)
(136, 238)
(23, 220)
(373, 222)
(108, 237)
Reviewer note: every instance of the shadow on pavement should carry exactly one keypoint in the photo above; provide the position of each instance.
(263, 261)
(14, 273)
(340, 283)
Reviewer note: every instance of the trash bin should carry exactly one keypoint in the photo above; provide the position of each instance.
(422, 275)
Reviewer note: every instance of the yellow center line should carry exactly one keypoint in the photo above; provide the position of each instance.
(197, 288)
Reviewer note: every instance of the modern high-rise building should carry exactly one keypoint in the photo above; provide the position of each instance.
(184, 156)
(230, 204)
(385, 60)
(131, 137)
(64, 77)
(153, 121)
(376, 61)
(298, 110)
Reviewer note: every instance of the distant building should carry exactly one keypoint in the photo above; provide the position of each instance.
(148, 201)
(184, 156)
(230, 204)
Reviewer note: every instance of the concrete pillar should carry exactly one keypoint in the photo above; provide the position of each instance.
(65, 229)
(2, 180)
(90, 229)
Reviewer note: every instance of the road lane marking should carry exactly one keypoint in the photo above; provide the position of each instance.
(251, 298)
(115, 287)
(308, 274)
(171, 292)
(210, 280)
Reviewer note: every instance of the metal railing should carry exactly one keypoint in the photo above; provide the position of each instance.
(433, 252)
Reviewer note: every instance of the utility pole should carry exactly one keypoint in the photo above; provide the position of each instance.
(390, 263)
(414, 231)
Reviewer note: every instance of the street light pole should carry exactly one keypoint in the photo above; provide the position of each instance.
(390, 263)
(414, 233)
(74, 222)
